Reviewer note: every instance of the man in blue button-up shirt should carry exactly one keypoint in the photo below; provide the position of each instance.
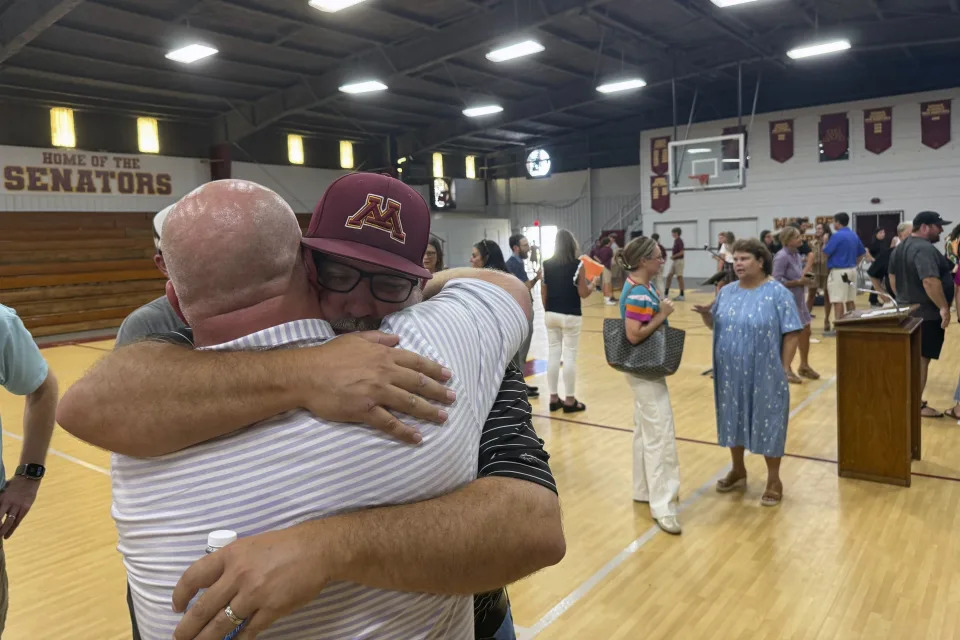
(844, 252)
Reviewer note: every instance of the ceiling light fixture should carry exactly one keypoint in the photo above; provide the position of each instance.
(723, 4)
(191, 53)
(518, 50)
(332, 6)
(699, 150)
(366, 86)
(819, 49)
(622, 85)
(485, 110)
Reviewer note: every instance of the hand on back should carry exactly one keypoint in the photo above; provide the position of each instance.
(371, 379)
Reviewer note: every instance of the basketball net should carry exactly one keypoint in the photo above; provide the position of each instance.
(702, 178)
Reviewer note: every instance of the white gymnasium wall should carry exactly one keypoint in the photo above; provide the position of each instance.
(301, 187)
(908, 176)
(585, 202)
(460, 231)
(26, 183)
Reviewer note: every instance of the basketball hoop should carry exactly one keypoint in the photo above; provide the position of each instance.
(702, 178)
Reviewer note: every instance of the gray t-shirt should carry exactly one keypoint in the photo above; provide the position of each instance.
(913, 260)
(157, 316)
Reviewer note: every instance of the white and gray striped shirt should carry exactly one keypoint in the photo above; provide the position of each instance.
(295, 468)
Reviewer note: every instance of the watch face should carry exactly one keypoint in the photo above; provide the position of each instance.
(34, 471)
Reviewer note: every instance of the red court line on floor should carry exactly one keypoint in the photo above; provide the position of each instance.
(77, 343)
(799, 456)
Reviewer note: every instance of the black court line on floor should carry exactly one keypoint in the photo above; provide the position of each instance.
(87, 346)
(798, 456)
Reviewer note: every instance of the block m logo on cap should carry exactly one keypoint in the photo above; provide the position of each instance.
(374, 214)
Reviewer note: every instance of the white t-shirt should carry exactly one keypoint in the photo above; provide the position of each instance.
(295, 467)
(726, 253)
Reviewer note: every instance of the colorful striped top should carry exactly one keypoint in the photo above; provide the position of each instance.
(639, 302)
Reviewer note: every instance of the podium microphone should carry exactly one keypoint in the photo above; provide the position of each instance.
(846, 280)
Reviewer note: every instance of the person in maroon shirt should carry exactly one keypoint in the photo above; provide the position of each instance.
(658, 280)
(603, 254)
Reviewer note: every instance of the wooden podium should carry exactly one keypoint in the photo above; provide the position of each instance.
(878, 394)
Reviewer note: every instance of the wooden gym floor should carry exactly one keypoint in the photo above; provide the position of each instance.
(838, 559)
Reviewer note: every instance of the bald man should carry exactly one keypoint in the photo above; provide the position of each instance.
(159, 317)
(273, 293)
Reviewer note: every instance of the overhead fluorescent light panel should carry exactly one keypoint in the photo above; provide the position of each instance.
(365, 86)
(484, 110)
(622, 85)
(730, 3)
(191, 53)
(518, 50)
(332, 6)
(819, 49)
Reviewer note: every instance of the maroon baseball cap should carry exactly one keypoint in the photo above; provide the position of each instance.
(373, 218)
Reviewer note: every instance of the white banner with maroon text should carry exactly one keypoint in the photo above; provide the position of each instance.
(70, 179)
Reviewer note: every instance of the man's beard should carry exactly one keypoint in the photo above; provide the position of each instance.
(349, 325)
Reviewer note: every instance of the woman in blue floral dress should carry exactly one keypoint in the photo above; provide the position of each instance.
(755, 325)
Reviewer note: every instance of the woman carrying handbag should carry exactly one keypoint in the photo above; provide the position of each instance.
(656, 470)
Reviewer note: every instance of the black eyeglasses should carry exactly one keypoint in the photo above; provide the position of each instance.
(343, 278)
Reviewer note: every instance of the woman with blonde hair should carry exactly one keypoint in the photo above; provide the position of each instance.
(564, 285)
(656, 470)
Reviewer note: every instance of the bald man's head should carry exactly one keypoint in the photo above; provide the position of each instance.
(229, 245)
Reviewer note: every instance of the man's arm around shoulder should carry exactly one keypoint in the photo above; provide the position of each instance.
(152, 398)
(506, 281)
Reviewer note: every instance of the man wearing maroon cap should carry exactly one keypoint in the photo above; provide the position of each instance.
(371, 231)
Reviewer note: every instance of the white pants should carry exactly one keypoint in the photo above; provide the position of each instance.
(656, 471)
(563, 337)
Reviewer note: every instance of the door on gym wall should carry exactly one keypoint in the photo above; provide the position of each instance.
(867, 223)
(544, 237)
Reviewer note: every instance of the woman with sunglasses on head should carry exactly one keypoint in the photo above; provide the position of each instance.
(487, 254)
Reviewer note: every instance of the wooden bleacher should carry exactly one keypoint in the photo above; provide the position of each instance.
(69, 272)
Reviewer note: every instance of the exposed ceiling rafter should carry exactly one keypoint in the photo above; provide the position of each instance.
(397, 60)
(24, 21)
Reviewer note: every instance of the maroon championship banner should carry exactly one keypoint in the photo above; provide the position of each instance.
(781, 140)
(835, 135)
(659, 155)
(878, 129)
(659, 194)
(935, 123)
(731, 151)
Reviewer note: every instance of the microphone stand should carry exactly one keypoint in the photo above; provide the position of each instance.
(846, 280)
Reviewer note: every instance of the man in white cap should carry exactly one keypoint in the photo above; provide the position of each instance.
(157, 316)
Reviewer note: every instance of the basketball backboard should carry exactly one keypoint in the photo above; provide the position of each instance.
(707, 163)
